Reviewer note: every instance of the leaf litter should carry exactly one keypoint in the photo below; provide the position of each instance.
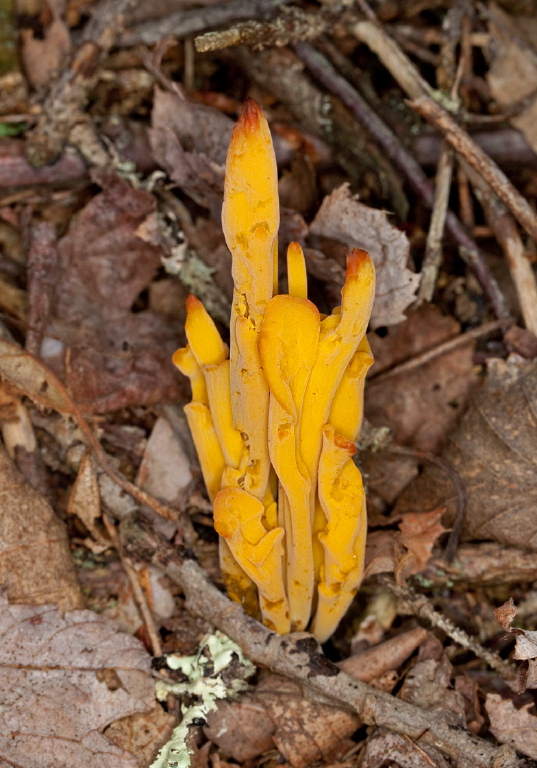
(106, 290)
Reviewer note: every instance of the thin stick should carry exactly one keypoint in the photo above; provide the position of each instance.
(433, 247)
(299, 657)
(479, 161)
(420, 605)
(326, 74)
(466, 206)
(506, 231)
(137, 591)
(441, 349)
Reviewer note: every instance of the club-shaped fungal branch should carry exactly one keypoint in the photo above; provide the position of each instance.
(275, 423)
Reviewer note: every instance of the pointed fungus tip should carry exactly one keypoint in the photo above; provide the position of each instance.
(356, 259)
(192, 303)
(250, 116)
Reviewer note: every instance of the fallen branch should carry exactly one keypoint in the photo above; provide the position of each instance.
(290, 26)
(441, 349)
(299, 657)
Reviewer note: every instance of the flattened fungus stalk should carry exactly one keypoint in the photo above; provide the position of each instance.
(276, 420)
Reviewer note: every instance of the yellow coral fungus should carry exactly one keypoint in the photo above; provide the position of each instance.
(275, 424)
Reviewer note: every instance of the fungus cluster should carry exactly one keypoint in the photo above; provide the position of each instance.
(275, 421)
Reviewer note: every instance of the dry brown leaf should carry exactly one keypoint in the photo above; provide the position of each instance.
(165, 471)
(43, 54)
(305, 731)
(32, 378)
(109, 355)
(493, 451)
(65, 679)
(419, 533)
(514, 721)
(407, 551)
(35, 559)
(190, 142)
(422, 405)
(354, 224)
(428, 684)
(525, 644)
(388, 748)
(380, 659)
(513, 72)
(138, 734)
(85, 499)
(242, 729)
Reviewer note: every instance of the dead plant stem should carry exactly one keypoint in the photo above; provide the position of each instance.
(433, 247)
(442, 349)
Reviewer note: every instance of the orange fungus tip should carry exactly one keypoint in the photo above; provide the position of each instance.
(250, 116)
(356, 258)
(192, 303)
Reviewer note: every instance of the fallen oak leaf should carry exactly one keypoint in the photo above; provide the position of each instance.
(419, 533)
(525, 645)
(35, 561)
(343, 218)
(405, 552)
(33, 379)
(83, 675)
(493, 452)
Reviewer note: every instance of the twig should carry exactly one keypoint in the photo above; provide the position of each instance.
(479, 161)
(433, 247)
(66, 98)
(466, 206)
(441, 349)
(506, 231)
(42, 264)
(184, 23)
(291, 25)
(506, 146)
(483, 564)
(299, 657)
(137, 591)
(421, 606)
(325, 73)
(16, 171)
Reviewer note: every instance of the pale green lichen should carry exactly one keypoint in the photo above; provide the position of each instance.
(207, 683)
